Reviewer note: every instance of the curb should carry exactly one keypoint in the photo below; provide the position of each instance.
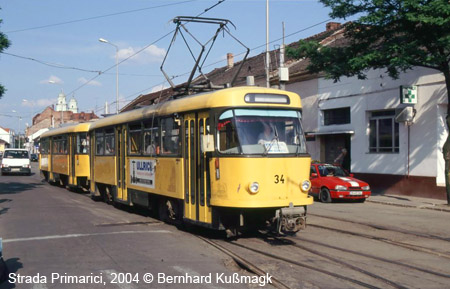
(434, 207)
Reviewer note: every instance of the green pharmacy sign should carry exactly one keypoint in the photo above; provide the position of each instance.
(408, 94)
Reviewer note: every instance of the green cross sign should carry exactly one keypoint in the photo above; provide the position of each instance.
(408, 94)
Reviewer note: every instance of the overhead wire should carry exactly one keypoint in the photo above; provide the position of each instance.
(252, 49)
(62, 66)
(97, 17)
(56, 65)
(99, 73)
(273, 41)
(139, 51)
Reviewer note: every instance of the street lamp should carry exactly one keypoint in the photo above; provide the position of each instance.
(117, 70)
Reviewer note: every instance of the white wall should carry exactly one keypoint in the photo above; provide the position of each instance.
(379, 92)
(6, 136)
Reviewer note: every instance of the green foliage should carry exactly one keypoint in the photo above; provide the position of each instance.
(4, 43)
(395, 35)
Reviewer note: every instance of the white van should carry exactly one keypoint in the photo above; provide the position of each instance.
(15, 161)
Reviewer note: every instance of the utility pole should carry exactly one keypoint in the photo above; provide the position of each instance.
(283, 72)
(267, 46)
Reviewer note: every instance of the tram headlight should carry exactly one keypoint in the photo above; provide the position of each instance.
(253, 187)
(305, 186)
(366, 188)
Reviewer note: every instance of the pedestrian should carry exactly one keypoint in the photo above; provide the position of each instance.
(340, 159)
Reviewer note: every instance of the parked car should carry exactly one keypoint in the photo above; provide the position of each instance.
(330, 182)
(34, 157)
(15, 161)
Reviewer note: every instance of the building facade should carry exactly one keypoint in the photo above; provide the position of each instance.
(6, 138)
(394, 154)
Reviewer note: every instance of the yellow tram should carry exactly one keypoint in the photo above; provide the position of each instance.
(228, 159)
(64, 155)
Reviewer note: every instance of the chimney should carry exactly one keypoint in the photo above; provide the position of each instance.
(230, 60)
(333, 26)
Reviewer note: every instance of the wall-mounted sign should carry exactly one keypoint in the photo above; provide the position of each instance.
(408, 94)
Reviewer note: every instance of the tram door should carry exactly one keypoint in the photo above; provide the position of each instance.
(196, 169)
(121, 163)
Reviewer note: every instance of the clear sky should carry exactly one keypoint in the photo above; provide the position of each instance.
(54, 46)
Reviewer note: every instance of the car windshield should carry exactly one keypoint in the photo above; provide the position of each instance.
(332, 171)
(16, 154)
(260, 131)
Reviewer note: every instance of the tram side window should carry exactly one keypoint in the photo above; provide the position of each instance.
(170, 136)
(60, 145)
(99, 143)
(44, 147)
(134, 139)
(55, 147)
(227, 137)
(109, 142)
(151, 139)
(82, 143)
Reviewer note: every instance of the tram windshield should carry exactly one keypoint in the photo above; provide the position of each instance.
(260, 131)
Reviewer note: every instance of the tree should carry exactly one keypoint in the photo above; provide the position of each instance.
(393, 34)
(4, 43)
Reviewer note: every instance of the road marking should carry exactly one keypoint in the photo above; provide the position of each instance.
(110, 276)
(39, 286)
(79, 235)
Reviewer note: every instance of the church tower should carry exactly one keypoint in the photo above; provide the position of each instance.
(61, 104)
(73, 105)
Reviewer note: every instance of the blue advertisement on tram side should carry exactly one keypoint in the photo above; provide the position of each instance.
(142, 172)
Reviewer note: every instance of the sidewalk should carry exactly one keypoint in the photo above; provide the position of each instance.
(409, 201)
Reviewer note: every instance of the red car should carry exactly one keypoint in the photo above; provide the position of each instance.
(330, 182)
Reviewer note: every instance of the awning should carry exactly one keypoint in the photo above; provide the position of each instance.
(330, 132)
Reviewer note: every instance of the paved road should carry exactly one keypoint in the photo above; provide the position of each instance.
(48, 230)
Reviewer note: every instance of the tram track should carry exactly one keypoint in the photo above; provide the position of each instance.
(417, 248)
(369, 256)
(338, 261)
(384, 228)
(243, 262)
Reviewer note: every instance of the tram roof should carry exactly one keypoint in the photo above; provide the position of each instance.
(229, 97)
(79, 127)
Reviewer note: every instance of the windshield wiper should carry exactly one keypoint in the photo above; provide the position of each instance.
(297, 140)
(275, 138)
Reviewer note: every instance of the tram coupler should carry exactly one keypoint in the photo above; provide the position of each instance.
(290, 219)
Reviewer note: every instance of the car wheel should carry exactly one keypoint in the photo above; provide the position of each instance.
(325, 195)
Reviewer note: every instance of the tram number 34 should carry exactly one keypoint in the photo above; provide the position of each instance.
(279, 179)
